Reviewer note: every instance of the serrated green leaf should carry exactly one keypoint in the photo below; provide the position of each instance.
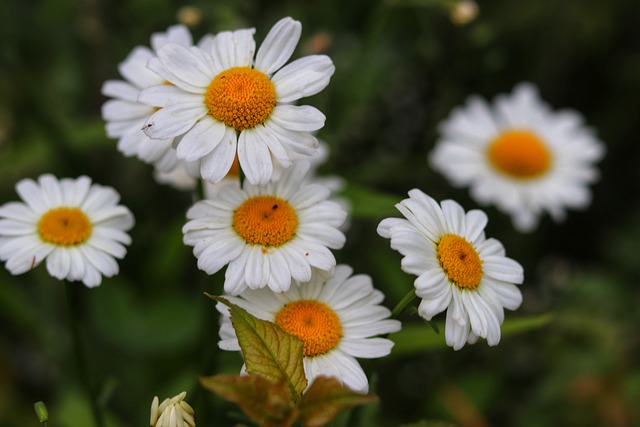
(266, 403)
(325, 399)
(268, 351)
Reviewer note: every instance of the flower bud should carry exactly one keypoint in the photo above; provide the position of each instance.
(172, 412)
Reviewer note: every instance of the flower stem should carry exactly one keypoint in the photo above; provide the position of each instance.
(81, 360)
(403, 303)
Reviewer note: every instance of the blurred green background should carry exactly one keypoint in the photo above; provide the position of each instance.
(401, 66)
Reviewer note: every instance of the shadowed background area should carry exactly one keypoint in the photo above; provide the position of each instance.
(401, 67)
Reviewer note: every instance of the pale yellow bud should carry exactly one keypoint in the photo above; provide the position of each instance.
(189, 16)
(464, 12)
(172, 412)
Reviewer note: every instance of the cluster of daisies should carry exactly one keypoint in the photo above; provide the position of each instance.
(222, 113)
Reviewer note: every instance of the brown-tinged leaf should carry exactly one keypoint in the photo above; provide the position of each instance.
(325, 399)
(268, 404)
(268, 351)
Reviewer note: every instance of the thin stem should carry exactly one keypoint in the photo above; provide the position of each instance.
(402, 305)
(81, 360)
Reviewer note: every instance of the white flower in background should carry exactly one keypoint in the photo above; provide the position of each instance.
(78, 227)
(267, 235)
(458, 269)
(337, 319)
(125, 116)
(172, 412)
(519, 155)
(226, 103)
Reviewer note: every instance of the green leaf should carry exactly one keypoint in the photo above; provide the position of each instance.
(158, 324)
(265, 402)
(325, 399)
(268, 351)
(367, 203)
(418, 338)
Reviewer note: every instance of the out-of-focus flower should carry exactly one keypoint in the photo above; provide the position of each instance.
(267, 235)
(226, 103)
(125, 116)
(458, 269)
(78, 227)
(463, 12)
(519, 155)
(172, 412)
(337, 319)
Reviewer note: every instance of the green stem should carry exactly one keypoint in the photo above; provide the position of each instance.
(81, 360)
(402, 305)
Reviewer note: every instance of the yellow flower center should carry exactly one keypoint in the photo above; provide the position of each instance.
(64, 226)
(314, 323)
(266, 221)
(241, 97)
(460, 261)
(519, 154)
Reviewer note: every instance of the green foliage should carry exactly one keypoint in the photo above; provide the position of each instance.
(325, 399)
(268, 351)
(273, 394)
(268, 403)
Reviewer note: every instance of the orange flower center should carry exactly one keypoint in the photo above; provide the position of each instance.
(460, 261)
(519, 154)
(241, 97)
(266, 221)
(64, 226)
(314, 323)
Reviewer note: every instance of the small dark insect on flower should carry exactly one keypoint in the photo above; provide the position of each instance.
(275, 207)
(145, 127)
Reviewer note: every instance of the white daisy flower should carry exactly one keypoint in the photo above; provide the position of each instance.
(337, 320)
(519, 155)
(458, 268)
(226, 102)
(78, 227)
(125, 116)
(268, 235)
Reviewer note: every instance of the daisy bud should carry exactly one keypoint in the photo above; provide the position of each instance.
(464, 12)
(172, 412)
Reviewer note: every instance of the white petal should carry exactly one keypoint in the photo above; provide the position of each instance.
(189, 65)
(216, 165)
(174, 34)
(164, 95)
(503, 268)
(298, 117)
(254, 157)
(31, 193)
(174, 120)
(233, 49)
(278, 46)
(303, 77)
(59, 263)
(367, 348)
(201, 139)
(121, 90)
(257, 269)
(134, 68)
